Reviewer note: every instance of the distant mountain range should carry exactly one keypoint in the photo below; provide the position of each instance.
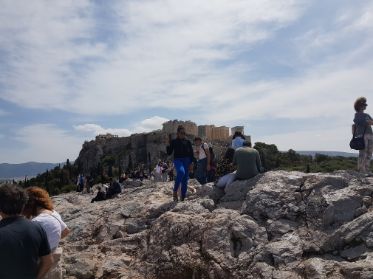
(31, 169)
(329, 153)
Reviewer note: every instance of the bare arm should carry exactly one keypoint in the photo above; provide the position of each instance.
(370, 122)
(65, 232)
(46, 263)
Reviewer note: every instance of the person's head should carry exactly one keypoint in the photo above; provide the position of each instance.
(360, 104)
(246, 143)
(236, 134)
(197, 141)
(211, 150)
(38, 199)
(181, 132)
(12, 200)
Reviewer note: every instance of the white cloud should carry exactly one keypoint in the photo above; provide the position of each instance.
(161, 50)
(190, 56)
(147, 125)
(98, 130)
(323, 93)
(42, 143)
(150, 124)
(48, 143)
(41, 48)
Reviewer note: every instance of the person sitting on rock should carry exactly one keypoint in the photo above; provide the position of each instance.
(39, 208)
(237, 140)
(114, 189)
(24, 247)
(183, 161)
(247, 160)
(101, 194)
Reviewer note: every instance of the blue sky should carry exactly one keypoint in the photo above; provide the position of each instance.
(288, 70)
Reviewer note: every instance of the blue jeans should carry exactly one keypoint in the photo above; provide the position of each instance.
(182, 175)
(201, 171)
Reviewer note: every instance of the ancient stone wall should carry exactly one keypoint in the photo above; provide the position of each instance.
(220, 133)
(205, 131)
(170, 127)
(210, 132)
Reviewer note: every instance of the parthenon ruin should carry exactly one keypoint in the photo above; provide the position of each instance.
(206, 132)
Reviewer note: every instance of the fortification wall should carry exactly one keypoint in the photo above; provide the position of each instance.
(220, 133)
(170, 127)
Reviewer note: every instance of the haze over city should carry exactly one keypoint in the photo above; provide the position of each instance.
(287, 70)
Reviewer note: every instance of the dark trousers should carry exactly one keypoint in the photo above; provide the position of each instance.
(201, 171)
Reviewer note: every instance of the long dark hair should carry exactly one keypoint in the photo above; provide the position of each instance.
(238, 134)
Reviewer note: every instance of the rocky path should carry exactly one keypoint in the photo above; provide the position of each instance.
(277, 225)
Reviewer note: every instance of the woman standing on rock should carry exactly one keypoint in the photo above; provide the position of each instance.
(363, 126)
(183, 161)
(40, 208)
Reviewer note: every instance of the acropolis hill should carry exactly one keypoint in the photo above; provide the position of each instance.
(147, 148)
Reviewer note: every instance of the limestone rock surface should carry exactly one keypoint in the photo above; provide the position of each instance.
(276, 225)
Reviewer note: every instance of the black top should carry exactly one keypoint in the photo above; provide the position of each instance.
(182, 148)
(22, 243)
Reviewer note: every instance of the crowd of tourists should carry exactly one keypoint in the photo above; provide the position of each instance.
(163, 171)
(30, 232)
(240, 161)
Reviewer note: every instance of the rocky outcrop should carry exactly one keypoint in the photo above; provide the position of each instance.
(276, 225)
(129, 152)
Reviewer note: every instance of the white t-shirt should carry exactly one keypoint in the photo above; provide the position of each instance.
(199, 153)
(53, 226)
(158, 169)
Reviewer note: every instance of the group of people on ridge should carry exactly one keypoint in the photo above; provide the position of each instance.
(200, 160)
